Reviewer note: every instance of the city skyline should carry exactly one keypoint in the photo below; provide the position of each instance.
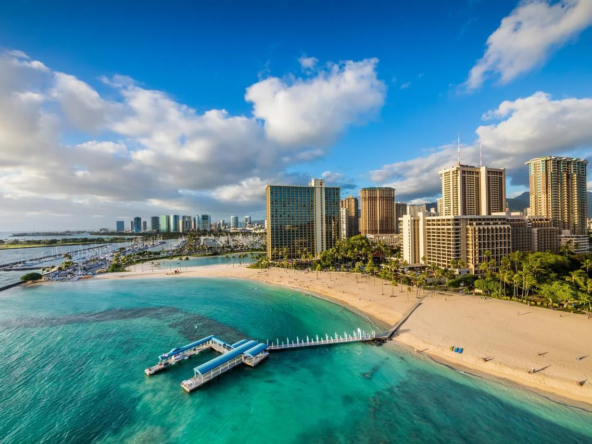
(99, 130)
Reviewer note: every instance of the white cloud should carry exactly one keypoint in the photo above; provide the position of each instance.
(314, 112)
(406, 85)
(140, 151)
(529, 127)
(308, 63)
(528, 36)
(331, 177)
(251, 189)
(82, 105)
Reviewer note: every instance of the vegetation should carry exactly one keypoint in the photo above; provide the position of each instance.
(31, 277)
(553, 280)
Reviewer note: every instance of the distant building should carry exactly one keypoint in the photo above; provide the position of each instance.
(174, 224)
(439, 205)
(400, 211)
(233, 221)
(164, 224)
(155, 223)
(414, 210)
(137, 225)
(472, 191)
(144, 225)
(120, 225)
(352, 213)
(558, 192)
(378, 210)
(131, 226)
(205, 222)
(301, 219)
(247, 221)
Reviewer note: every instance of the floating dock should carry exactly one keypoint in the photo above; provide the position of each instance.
(246, 352)
(180, 354)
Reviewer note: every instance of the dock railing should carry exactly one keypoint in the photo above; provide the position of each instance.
(356, 336)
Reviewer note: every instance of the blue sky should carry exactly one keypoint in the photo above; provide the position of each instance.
(395, 123)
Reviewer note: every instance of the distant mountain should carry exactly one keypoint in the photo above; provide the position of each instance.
(519, 203)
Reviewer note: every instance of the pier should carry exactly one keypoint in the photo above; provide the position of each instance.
(356, 336)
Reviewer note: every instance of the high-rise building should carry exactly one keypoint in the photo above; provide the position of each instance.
(472, 191)
(247, 221)
(400, 211)
(185, 224)
(439, 206)
(144, 225)
(301, 219)
(233, 221)
(204, 222)
(441, 239)
(352, 213)
(558, 192)
(164, 224)
(137, 224)
(131, 226)
(155, 223)
(120, 225)
(378, 210)
(174, 224)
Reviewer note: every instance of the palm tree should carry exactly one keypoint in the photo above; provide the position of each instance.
(567, 248)
(587, 264)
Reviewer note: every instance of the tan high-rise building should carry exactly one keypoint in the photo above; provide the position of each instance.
(472, 191)
(442, 239)
(352, 212)
(558, 192)
(378, 210)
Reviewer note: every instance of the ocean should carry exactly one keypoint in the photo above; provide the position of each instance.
(74, 356)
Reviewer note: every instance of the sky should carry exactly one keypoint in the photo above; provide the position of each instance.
(111, 110)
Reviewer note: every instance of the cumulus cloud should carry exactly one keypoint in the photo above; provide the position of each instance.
(520, 130)
(338, 180)
(142, 151)
(313, 112)
(527, 37)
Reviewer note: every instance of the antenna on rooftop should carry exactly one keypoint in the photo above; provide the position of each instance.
(480, 156)
(459, 148)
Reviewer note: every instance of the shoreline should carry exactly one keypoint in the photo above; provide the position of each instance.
(484, 328)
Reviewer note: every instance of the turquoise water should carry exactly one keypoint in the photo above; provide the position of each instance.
(166, 264)
(74, 356)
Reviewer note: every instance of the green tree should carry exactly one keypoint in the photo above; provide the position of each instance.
(31, 277)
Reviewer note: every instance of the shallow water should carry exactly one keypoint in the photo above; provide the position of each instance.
(74, 356)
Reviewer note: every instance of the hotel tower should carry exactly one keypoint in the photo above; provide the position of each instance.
(378, 211)
(301, 219)
(472, 191)
(558, 192)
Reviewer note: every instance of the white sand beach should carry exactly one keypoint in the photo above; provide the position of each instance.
(500, 338)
